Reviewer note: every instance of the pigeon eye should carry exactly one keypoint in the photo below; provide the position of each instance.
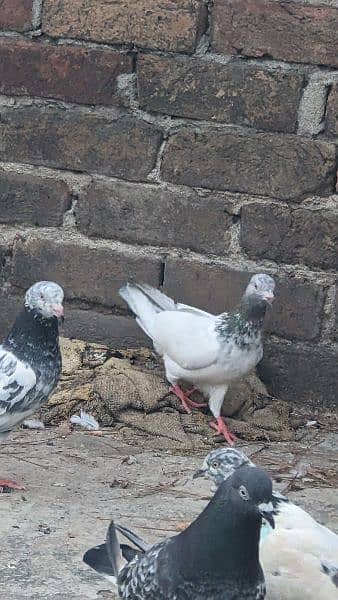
(243, 492)
(42, 297)
(214, 464)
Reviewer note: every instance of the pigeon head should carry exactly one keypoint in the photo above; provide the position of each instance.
(261, 287)
(45, 298)
(251, 492)
(222, 463)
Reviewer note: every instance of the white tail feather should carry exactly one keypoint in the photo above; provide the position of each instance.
(146, 301)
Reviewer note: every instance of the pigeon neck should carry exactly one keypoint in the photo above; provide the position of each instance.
(32, 335)
(223, 543)
(252, 309)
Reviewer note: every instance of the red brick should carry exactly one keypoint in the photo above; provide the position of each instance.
(290, 235)
(233, 93)
(10, 305)
(7, 238)
(31, 199)
(335, 332)
(332, 112)
(112, 330)
(285, 30)
(115, 331)
(296, 312)
(172, 25)
(87, 270)
(69, 139)
(280, 166)
(152, 214)
(69, 73)
(301, 374)
(16, 15)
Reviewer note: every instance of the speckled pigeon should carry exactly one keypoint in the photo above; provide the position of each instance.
(299, 556)
(205, 350)
(30, 359)
(215, 558)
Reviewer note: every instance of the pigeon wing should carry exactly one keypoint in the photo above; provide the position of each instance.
(16, 380)
(189, 339)
(193, 310)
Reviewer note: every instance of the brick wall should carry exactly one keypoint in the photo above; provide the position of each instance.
(184, 143)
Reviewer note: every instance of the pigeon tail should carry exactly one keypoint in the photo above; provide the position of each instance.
(145, 301)
(133, 537)
(97, 558)
(107, 558)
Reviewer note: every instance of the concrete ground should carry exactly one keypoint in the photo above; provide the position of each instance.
(75, 482)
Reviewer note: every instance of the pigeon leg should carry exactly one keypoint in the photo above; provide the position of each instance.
(222, 429)
(10, 485)
(184, 397)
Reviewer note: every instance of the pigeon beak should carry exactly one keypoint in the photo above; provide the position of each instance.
(268, 297)
(199, 473)
(266, 510)
(57, 310)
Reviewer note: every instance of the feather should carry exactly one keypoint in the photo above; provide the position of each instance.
(85, 420)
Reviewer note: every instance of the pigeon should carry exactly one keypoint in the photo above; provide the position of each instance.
(299, 556)
(205, 350)
(30, 359)
(215, 558)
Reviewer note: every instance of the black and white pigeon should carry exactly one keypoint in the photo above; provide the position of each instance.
(205, 350)
(215, 558)
(30, 358)
(299, 556)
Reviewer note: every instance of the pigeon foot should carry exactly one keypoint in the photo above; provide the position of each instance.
(222, 429)
(8, 484)
(185, 398)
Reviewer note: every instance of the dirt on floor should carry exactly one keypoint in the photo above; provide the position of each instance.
(138, 468)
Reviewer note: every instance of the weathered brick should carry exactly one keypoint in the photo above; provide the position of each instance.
(87, 270)
(68, 139)
(300, 374)
(7, 239)
(335, 333)
(296, 312)
(69, 73)
(291, 31)
(232, 93)
(10, 305)
(31, 199)
(90, 325)
(112, 330)
(150, 214)
(281, 166)
(285, 234)
(16, 15)
(172, 25)
(332, 112)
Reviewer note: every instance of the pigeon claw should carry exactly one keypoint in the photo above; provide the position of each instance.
(184, 397)
(222, 429)
(8, 484)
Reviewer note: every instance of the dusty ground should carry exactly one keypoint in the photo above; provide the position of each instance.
(76, 482)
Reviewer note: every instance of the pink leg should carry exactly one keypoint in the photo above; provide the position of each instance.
(11, 485)
(222, 429)
(185, 399)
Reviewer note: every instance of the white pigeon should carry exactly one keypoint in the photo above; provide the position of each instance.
(300, 556)
(30, 359)
(205, 350)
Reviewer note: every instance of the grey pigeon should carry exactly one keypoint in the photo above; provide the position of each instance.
(299, 556)
(205, 350)
(30, 358)
(215, 558)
